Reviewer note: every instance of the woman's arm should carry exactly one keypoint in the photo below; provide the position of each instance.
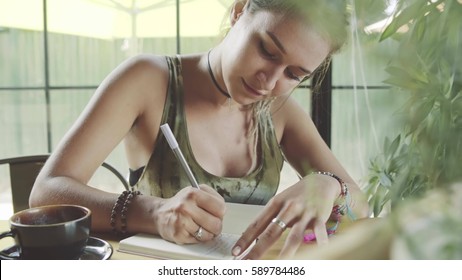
(110, 115)
(133, 94)
(306, 151)
(308, 204)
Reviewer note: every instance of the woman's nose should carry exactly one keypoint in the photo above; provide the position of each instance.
(269, 77)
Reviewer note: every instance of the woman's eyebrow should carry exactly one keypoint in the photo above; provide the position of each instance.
(276, 41)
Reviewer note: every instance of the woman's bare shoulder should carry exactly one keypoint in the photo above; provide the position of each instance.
(142, 66)
(150, 61)
(140, 77)
(286, 108)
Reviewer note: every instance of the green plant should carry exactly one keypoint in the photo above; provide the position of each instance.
(427, 67)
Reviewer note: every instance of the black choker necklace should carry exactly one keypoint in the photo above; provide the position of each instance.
(213, 78)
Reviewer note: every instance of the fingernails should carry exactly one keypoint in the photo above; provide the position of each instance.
(236, 251)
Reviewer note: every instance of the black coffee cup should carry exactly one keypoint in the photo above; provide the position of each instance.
(49, 232)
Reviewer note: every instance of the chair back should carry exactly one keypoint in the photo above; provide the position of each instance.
(24, 171)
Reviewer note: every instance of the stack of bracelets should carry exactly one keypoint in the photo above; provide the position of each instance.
(121, 207)
(338, 210)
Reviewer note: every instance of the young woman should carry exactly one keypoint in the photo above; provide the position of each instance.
(231, 112)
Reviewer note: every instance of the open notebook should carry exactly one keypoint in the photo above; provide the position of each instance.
(236, 220)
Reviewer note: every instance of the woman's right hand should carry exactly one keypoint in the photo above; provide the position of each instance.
(178, 218)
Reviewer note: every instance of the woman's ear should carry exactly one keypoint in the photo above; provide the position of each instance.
(237, 10)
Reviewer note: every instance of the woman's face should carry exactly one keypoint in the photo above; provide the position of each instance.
(266, 55)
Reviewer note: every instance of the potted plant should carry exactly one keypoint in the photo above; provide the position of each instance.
(424, 159)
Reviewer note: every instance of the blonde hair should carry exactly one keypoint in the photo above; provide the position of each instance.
(328, 17)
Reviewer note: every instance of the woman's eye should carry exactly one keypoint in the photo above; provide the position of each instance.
(293, 76)
(265, 51)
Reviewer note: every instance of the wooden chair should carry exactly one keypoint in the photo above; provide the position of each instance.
(23, 172)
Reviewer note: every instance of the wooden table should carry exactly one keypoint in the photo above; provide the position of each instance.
(362, 239)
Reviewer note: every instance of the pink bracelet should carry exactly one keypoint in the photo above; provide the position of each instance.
(338, 210)
(311, 236)
(307, 238)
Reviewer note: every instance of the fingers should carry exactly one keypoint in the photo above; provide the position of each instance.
(267, 228)
(201, 235)
(211, 191)
(255, 229)
(191, 234)
(207, 220)
(185, 230)
(271, 224)
(205, 208)
(211, 201)
(320, 231)
(295, 237)
(192, 216)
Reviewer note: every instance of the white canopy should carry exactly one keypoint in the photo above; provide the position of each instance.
(109, 19)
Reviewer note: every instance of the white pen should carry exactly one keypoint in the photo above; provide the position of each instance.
(179, 155)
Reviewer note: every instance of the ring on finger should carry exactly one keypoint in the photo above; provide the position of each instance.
(198, 233)
(280, 223)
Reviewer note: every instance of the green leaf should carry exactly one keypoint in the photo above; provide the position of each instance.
(407, 15)
(402, 18)
(380, 198)
(419, 29)
(422, 111)
(394, 145)
(402, 82)
(385, 180)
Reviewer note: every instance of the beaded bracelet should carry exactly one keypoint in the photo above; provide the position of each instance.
(124, 212)
(343, 186)
(340, 210)
(117, 205)
(122, 203)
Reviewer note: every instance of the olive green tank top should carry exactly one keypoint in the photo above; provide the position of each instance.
(163, 176)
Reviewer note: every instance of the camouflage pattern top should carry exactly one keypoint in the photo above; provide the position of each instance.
(163, 176)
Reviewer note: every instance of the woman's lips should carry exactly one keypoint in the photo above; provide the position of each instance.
(251, 90)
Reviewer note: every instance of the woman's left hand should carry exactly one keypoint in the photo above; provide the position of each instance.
(305, 205)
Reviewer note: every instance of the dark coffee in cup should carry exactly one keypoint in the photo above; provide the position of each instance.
(50, 232)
